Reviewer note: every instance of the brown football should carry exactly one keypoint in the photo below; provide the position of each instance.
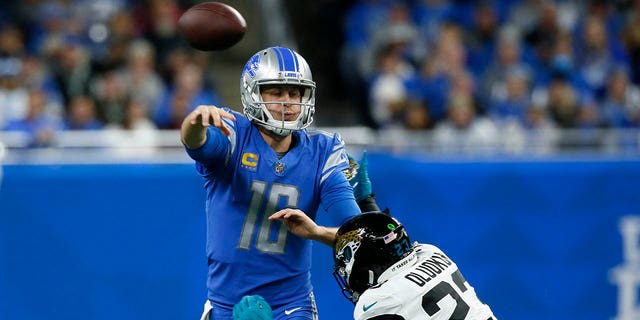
(211, 26)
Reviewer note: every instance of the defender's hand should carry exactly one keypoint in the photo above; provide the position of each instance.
(252, 308)
(361, 183)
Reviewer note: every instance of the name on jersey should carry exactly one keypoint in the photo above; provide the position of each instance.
(428, 269)
(249, 161)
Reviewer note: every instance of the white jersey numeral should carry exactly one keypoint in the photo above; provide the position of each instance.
(275, 193)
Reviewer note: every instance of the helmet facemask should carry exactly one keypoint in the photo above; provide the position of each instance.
(344, 250)
(277, 66)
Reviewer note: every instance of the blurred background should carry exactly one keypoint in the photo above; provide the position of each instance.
(505, 132)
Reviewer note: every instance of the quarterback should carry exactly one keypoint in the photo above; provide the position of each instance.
(255, 163)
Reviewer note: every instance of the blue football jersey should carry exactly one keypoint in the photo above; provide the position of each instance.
(245, 183)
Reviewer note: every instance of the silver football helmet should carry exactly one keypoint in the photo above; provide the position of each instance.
(277, 65)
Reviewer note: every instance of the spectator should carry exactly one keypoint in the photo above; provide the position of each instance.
(416, 116)
(11, 41)
(362, 19)
(111, 49)
(541, 36)
(621, 106)
(37, 74)
(14, 95)
(111, 96)
(71, 67)
(188, 91)
(137, 116)
(630, 36)
(160, 26)
(565, 92)
(481, 38)
(40, 127)
(462, 131)
(597, 54)
(542, 133)
(562, 103)
(430, 15)
(387, 94)
(432, 85)
(507, 56)
(464, 82)
(399, 34)
(136, 135)
(524, 15)
(512, 99)
(82, 115)
(56, 27)
(139, 76)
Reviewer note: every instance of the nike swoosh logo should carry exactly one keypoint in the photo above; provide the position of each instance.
(365, 308)
(288, 312)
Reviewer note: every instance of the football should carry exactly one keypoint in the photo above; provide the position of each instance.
(211, 26)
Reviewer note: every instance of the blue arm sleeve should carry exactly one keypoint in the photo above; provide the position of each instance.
(338, 200)
(214, 149)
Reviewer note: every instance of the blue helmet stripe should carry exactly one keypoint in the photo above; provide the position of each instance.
(287, 59)
(296, 66)
(278, 52)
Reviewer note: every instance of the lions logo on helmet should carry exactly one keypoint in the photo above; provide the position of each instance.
(251, 66)
(277, 66)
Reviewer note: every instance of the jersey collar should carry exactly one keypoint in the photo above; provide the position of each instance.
(399, 266)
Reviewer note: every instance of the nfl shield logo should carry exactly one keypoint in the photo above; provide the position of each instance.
(279, 167)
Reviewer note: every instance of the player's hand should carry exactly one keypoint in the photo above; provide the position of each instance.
(252, 308)
(298, 223)
(210, 115)
(360, 182)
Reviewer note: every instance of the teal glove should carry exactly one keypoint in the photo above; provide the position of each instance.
(252, 308)
(361, 183)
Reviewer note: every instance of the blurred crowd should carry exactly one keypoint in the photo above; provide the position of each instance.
(472, 71)
(95, 65)
(469, 72)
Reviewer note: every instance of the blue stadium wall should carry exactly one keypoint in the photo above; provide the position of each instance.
(537, 239)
